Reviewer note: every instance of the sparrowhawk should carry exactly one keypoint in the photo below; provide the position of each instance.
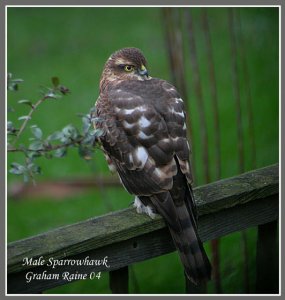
(144, 140)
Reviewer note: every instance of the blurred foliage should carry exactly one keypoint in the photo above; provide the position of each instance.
(39, 146)
(73, 44)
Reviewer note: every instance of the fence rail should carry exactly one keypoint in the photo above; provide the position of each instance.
(124, 237)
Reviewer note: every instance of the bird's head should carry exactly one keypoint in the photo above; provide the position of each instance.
(125, 64)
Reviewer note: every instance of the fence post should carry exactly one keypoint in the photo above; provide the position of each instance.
(267, 279)
(119, 281)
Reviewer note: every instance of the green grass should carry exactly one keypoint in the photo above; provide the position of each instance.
(73, 44)
(42, 214)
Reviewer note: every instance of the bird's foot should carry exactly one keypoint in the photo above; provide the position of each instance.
(142, 209)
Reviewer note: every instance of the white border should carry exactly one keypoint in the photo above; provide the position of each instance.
(141, 295)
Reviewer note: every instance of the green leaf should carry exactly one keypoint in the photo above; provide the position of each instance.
(18, 80)
(33, 154)
(96, 132)
(17, 169)
(85, 119)
(11, 130)
(88, 140)
(65, 140)
(70, 131)
(26, 102)
(92, 110)
(57, 135)
(50, 94)
(86, 124)
(36, 145)
(10, 125)
(55, 81)
(37, 132)
(60, 152)
(35, 169)
(12, 84)
(17, 165)
(24, 118)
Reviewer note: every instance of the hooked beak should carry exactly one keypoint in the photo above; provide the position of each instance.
(143, 71)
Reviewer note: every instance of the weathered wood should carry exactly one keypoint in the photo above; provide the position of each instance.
(267, 265)
(119, 281)
(152, 244)
(237, 190)
(126, 237)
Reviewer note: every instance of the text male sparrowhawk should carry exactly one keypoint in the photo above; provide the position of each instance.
(144, 139)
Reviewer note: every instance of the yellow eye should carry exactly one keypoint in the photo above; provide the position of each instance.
(128, 68)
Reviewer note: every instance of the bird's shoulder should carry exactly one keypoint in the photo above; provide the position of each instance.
(155, 92)
(152, 86)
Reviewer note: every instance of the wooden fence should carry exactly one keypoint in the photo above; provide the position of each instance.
(124, 237)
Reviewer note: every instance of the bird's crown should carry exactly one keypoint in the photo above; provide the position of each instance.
(131, 56)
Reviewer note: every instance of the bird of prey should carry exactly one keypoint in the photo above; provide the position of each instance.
(143, 126)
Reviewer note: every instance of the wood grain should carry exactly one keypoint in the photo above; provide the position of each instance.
(125, 237)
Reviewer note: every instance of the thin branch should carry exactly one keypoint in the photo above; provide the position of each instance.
(215, 244)
(34, 106)
(47, 149)
(236, 89)
(30, 173)
(199, 95)
(168, 25)
(248, 91)
(213, 87)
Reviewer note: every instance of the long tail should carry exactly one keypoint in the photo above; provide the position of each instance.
(180, 216)
(190, 248)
